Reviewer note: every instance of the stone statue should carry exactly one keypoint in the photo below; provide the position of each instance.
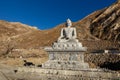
(68, 39)
(68, 33)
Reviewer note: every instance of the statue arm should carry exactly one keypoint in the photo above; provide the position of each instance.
(61, 35)
(75, 33)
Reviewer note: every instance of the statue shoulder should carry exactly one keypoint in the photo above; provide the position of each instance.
(64, 28)
(73, 28)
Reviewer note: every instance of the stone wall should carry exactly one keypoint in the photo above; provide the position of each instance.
(104, 60)
(92, 74)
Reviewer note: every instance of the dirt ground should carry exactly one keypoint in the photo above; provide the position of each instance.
(8, 67)
(20, 61)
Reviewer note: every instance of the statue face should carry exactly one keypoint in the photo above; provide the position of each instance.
(69, 23)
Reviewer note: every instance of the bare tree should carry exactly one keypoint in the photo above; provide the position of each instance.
(6, 46)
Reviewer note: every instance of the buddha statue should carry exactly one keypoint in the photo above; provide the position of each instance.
(68, 33)
(68, 39)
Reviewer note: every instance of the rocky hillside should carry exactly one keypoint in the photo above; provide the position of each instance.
(96, 31)
(106, 25)
(14, 29)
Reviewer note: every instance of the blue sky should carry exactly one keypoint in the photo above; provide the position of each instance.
(46, 14)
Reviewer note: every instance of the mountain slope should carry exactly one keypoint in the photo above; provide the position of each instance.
(107, 25)
(96, 31)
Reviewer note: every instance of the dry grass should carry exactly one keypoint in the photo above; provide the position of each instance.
(20, 62)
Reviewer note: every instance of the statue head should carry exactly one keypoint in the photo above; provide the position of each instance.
(69, 23)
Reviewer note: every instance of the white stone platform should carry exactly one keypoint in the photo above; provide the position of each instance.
(69, 46)
(65, 60)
